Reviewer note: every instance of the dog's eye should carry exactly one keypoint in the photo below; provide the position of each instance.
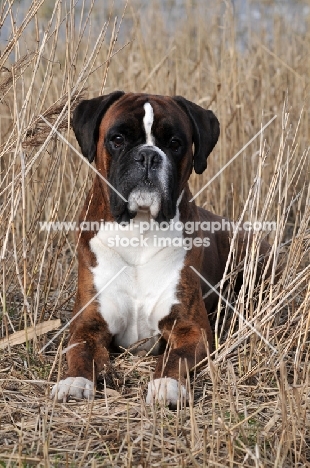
(118, 141)
(174, 144)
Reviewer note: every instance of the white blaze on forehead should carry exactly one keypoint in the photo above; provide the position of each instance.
(148, 120)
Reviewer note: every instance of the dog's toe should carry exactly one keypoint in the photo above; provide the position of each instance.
(75, 387)
(166, 390)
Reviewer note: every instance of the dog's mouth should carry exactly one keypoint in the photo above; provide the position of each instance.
(149, 198)
(148, 201)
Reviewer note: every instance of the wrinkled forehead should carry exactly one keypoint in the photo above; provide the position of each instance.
(161, 113)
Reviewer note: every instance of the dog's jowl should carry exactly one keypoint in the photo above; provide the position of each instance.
(137, 271)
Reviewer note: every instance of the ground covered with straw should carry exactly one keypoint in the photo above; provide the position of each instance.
(249, 403)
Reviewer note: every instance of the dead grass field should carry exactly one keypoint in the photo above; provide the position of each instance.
(251, 399)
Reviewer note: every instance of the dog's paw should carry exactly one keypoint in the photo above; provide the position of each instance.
(75, 387)
(166, 390)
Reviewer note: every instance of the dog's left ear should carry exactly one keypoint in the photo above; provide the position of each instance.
(206, 131)
(86, 120)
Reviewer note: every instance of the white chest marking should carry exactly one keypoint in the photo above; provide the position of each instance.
(135, 302)
(148, 120)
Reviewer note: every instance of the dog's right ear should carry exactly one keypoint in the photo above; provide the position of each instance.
(86, 120)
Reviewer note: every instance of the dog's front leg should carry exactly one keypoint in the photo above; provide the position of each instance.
(187, 345)
(87, 350)
(87, 354)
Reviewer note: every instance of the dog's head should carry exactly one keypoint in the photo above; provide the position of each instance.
(143, 145)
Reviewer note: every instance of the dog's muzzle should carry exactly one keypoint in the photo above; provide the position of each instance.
(148, 185)
(147, 196)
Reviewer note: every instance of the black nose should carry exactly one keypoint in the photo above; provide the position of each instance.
(148, 158)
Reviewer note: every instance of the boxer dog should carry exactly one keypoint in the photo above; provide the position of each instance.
(133, 286)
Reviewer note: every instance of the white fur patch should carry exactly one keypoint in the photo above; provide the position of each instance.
(143, 199)
(75, 387)
(166, 390)
(163, 171)
(135, 302)
(148, 120)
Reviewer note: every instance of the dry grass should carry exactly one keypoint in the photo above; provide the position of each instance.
(251, 405)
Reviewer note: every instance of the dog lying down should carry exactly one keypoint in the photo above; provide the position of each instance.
(145, 271)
